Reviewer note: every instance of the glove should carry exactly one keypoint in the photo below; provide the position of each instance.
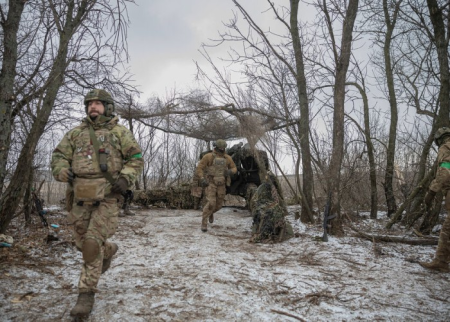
(429, 198)
(227, 173)
(121, 186)
(65, 175)
(203, 182)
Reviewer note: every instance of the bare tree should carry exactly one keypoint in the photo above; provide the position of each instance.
(61, 49)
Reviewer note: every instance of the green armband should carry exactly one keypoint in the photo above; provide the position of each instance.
(136, 156)
(445, 165)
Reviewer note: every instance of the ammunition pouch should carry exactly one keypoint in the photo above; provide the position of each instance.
(89, 190)
(196, 192)
(219, 181)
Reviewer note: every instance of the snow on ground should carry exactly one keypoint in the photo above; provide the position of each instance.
(168, 270)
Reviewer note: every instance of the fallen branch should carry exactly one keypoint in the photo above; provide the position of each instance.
(288, 314)
(428, 241)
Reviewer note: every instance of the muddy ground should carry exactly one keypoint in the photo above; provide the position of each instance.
(168, 270)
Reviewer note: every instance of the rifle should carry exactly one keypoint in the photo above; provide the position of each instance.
(326, 217)
(39, 208)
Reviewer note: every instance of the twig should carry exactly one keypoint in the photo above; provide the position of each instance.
(288, 314)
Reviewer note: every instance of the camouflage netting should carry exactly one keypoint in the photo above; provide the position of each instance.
(268, 210)
(178, 197)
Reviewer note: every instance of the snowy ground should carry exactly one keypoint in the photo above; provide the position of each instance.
(168, 270)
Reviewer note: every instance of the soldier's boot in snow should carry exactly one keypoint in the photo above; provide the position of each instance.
(84, 305)
(204, 224)
(211, 218)
(436, 265)
(110, 251)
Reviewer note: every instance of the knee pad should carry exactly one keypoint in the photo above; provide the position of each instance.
(90, 250)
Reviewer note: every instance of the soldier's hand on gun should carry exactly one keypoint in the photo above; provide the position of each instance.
(204, 182)
(121, 186)
(227, 173)
(65, 175)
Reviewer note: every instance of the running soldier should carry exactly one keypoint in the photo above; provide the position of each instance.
(101, 160)
(215, 170)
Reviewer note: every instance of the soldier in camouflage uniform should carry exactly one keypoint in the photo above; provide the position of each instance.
(441, 182)
(100, 159)
(215, 170)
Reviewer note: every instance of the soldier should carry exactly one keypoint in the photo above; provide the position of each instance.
(441, 182)
(101, 159)
(214, 171)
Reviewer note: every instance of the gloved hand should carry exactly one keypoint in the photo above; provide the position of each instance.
(203, 182)
(120, 186)
(65, 175)
(227, 173)
(429, 198)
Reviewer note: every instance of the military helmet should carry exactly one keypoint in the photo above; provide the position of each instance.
(103, 96)
(440, 134)
(220, 144)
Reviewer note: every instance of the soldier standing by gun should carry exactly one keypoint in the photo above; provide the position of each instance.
(102, 159)
(213, 170)
(441, 182)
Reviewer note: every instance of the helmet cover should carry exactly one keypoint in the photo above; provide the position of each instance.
(104, 97)
(440, 134)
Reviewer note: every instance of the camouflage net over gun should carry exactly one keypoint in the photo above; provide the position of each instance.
(177, 197)
(269, 211)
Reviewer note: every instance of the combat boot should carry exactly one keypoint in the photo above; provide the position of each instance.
(204, 225)
(107, 261)
(211, 218)
(436, 265)
(84, 305)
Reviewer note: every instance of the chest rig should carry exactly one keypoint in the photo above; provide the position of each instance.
(85, 163)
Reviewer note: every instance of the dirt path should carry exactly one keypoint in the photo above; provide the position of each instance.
(168, 270)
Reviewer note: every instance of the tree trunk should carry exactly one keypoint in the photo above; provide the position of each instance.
(7, 75)
(390, 153)
(15, 190)
(338, 115)
(370, 153)
(442, 118)
(308, 178)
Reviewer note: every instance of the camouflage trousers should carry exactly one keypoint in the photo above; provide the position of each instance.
(443, 249)
(98, 223)
(215, 195)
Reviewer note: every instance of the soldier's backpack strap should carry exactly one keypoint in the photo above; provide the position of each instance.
(104, 168)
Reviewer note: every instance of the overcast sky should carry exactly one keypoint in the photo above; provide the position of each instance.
(165, 36)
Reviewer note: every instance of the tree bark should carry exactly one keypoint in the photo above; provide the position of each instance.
(15, 190)
(303, 125)
(7, 75)
(390, 153)
(338, 116)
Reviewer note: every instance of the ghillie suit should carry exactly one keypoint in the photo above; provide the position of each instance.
(268, 210)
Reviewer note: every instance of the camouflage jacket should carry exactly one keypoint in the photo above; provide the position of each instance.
(206, 163)
(442, 179)
(76, 151)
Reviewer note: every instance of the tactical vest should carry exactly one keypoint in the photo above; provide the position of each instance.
(217, 169)
(85, 163)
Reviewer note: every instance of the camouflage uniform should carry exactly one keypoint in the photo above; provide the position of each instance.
(212, 167)
(94, 211)
(442, 182)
